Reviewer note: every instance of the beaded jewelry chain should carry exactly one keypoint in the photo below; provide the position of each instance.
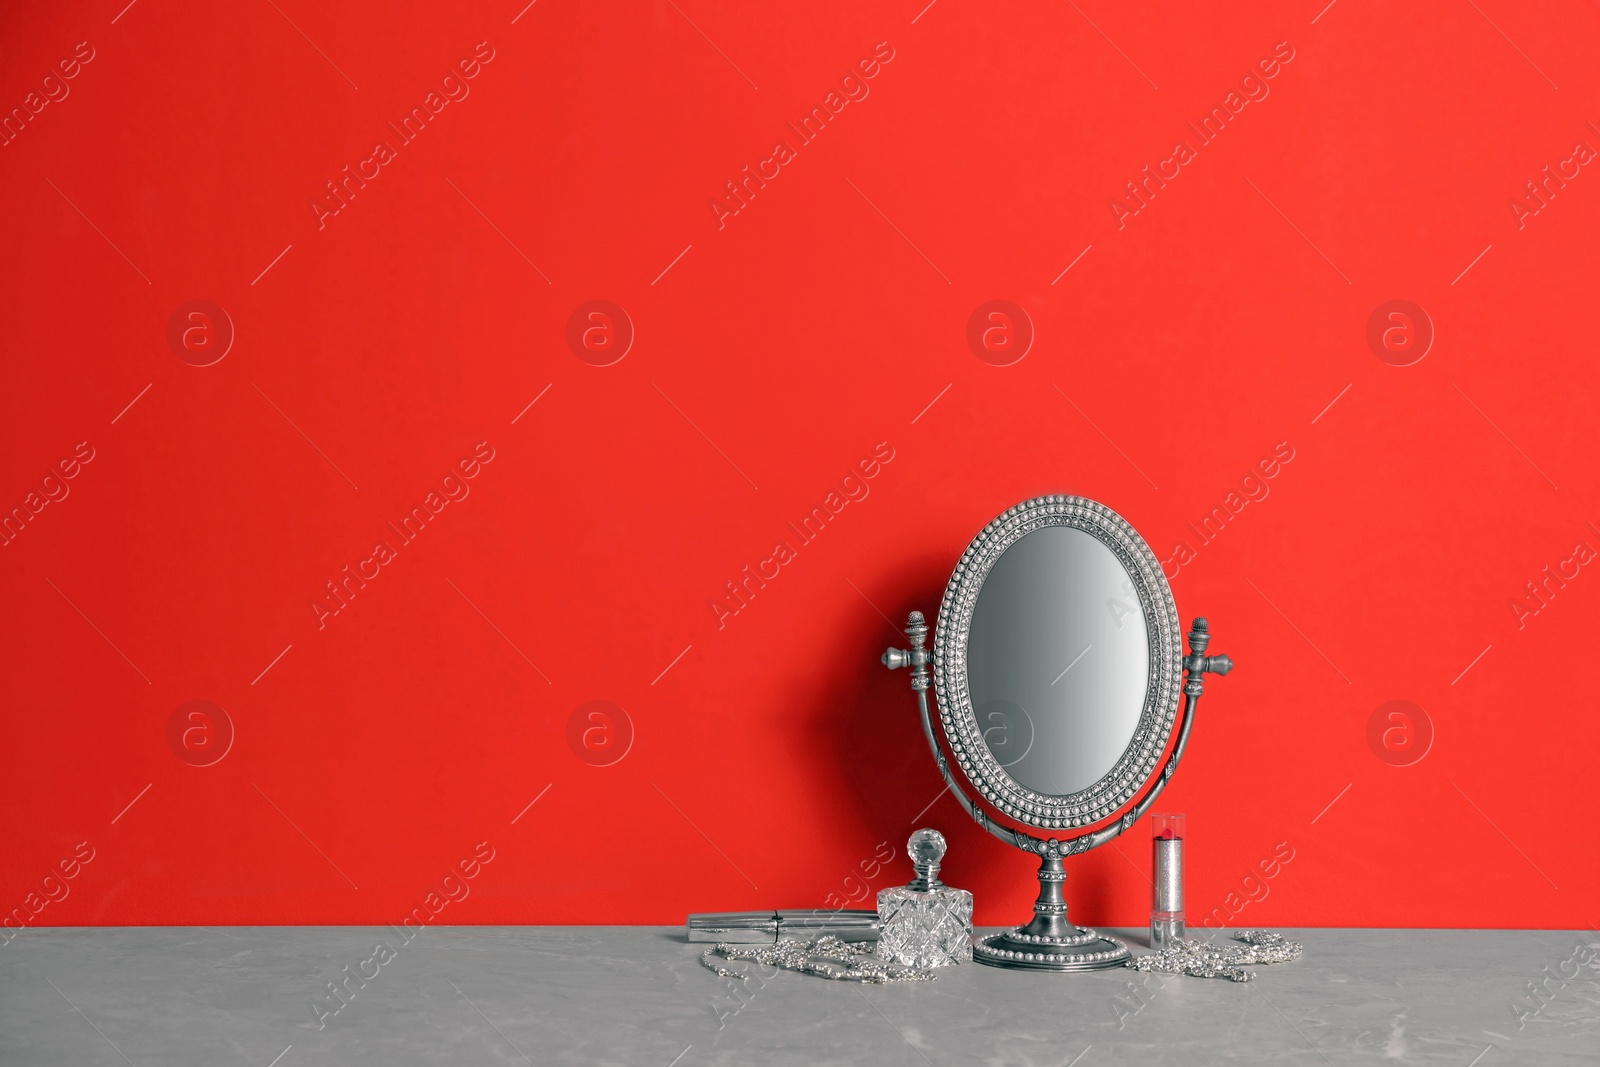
(1202, 959)
(826, 957)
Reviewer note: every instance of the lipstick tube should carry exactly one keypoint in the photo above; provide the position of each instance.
(1166, 901)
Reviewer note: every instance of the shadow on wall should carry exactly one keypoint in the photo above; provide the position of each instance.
(869, 736)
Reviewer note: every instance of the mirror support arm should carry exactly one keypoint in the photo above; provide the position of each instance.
(1195, 665)
(917, 658)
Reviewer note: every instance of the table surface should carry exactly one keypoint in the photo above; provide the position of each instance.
(639, 996)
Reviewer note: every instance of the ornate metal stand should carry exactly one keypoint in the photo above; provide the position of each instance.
(1050, 942)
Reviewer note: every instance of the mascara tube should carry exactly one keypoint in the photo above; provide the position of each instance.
(1166, 903)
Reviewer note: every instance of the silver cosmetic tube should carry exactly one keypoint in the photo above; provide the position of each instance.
(1166, 903)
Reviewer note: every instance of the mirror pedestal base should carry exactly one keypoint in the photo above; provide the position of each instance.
(1050, 942)
(1083, 951)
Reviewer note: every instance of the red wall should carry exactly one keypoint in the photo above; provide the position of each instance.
(379, 347)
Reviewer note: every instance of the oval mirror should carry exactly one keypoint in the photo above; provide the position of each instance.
(1057, 664)
(1058, 598)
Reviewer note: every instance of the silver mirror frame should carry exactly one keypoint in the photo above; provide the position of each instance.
(1157, 716)
(1050, 942)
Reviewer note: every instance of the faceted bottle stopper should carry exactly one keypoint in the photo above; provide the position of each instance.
(926, 848)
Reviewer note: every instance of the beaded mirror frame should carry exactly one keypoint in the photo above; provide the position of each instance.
(1157, 716)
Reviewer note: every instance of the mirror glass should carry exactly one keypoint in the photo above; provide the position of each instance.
(1058, 660)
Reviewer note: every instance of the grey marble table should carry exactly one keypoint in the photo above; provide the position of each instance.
(259, 996)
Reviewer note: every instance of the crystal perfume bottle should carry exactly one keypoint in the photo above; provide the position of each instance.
(925, 923)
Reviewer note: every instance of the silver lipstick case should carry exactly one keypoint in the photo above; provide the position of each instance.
(1166, 901)
(770, 927)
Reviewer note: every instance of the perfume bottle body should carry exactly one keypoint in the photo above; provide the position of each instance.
(931, 928)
